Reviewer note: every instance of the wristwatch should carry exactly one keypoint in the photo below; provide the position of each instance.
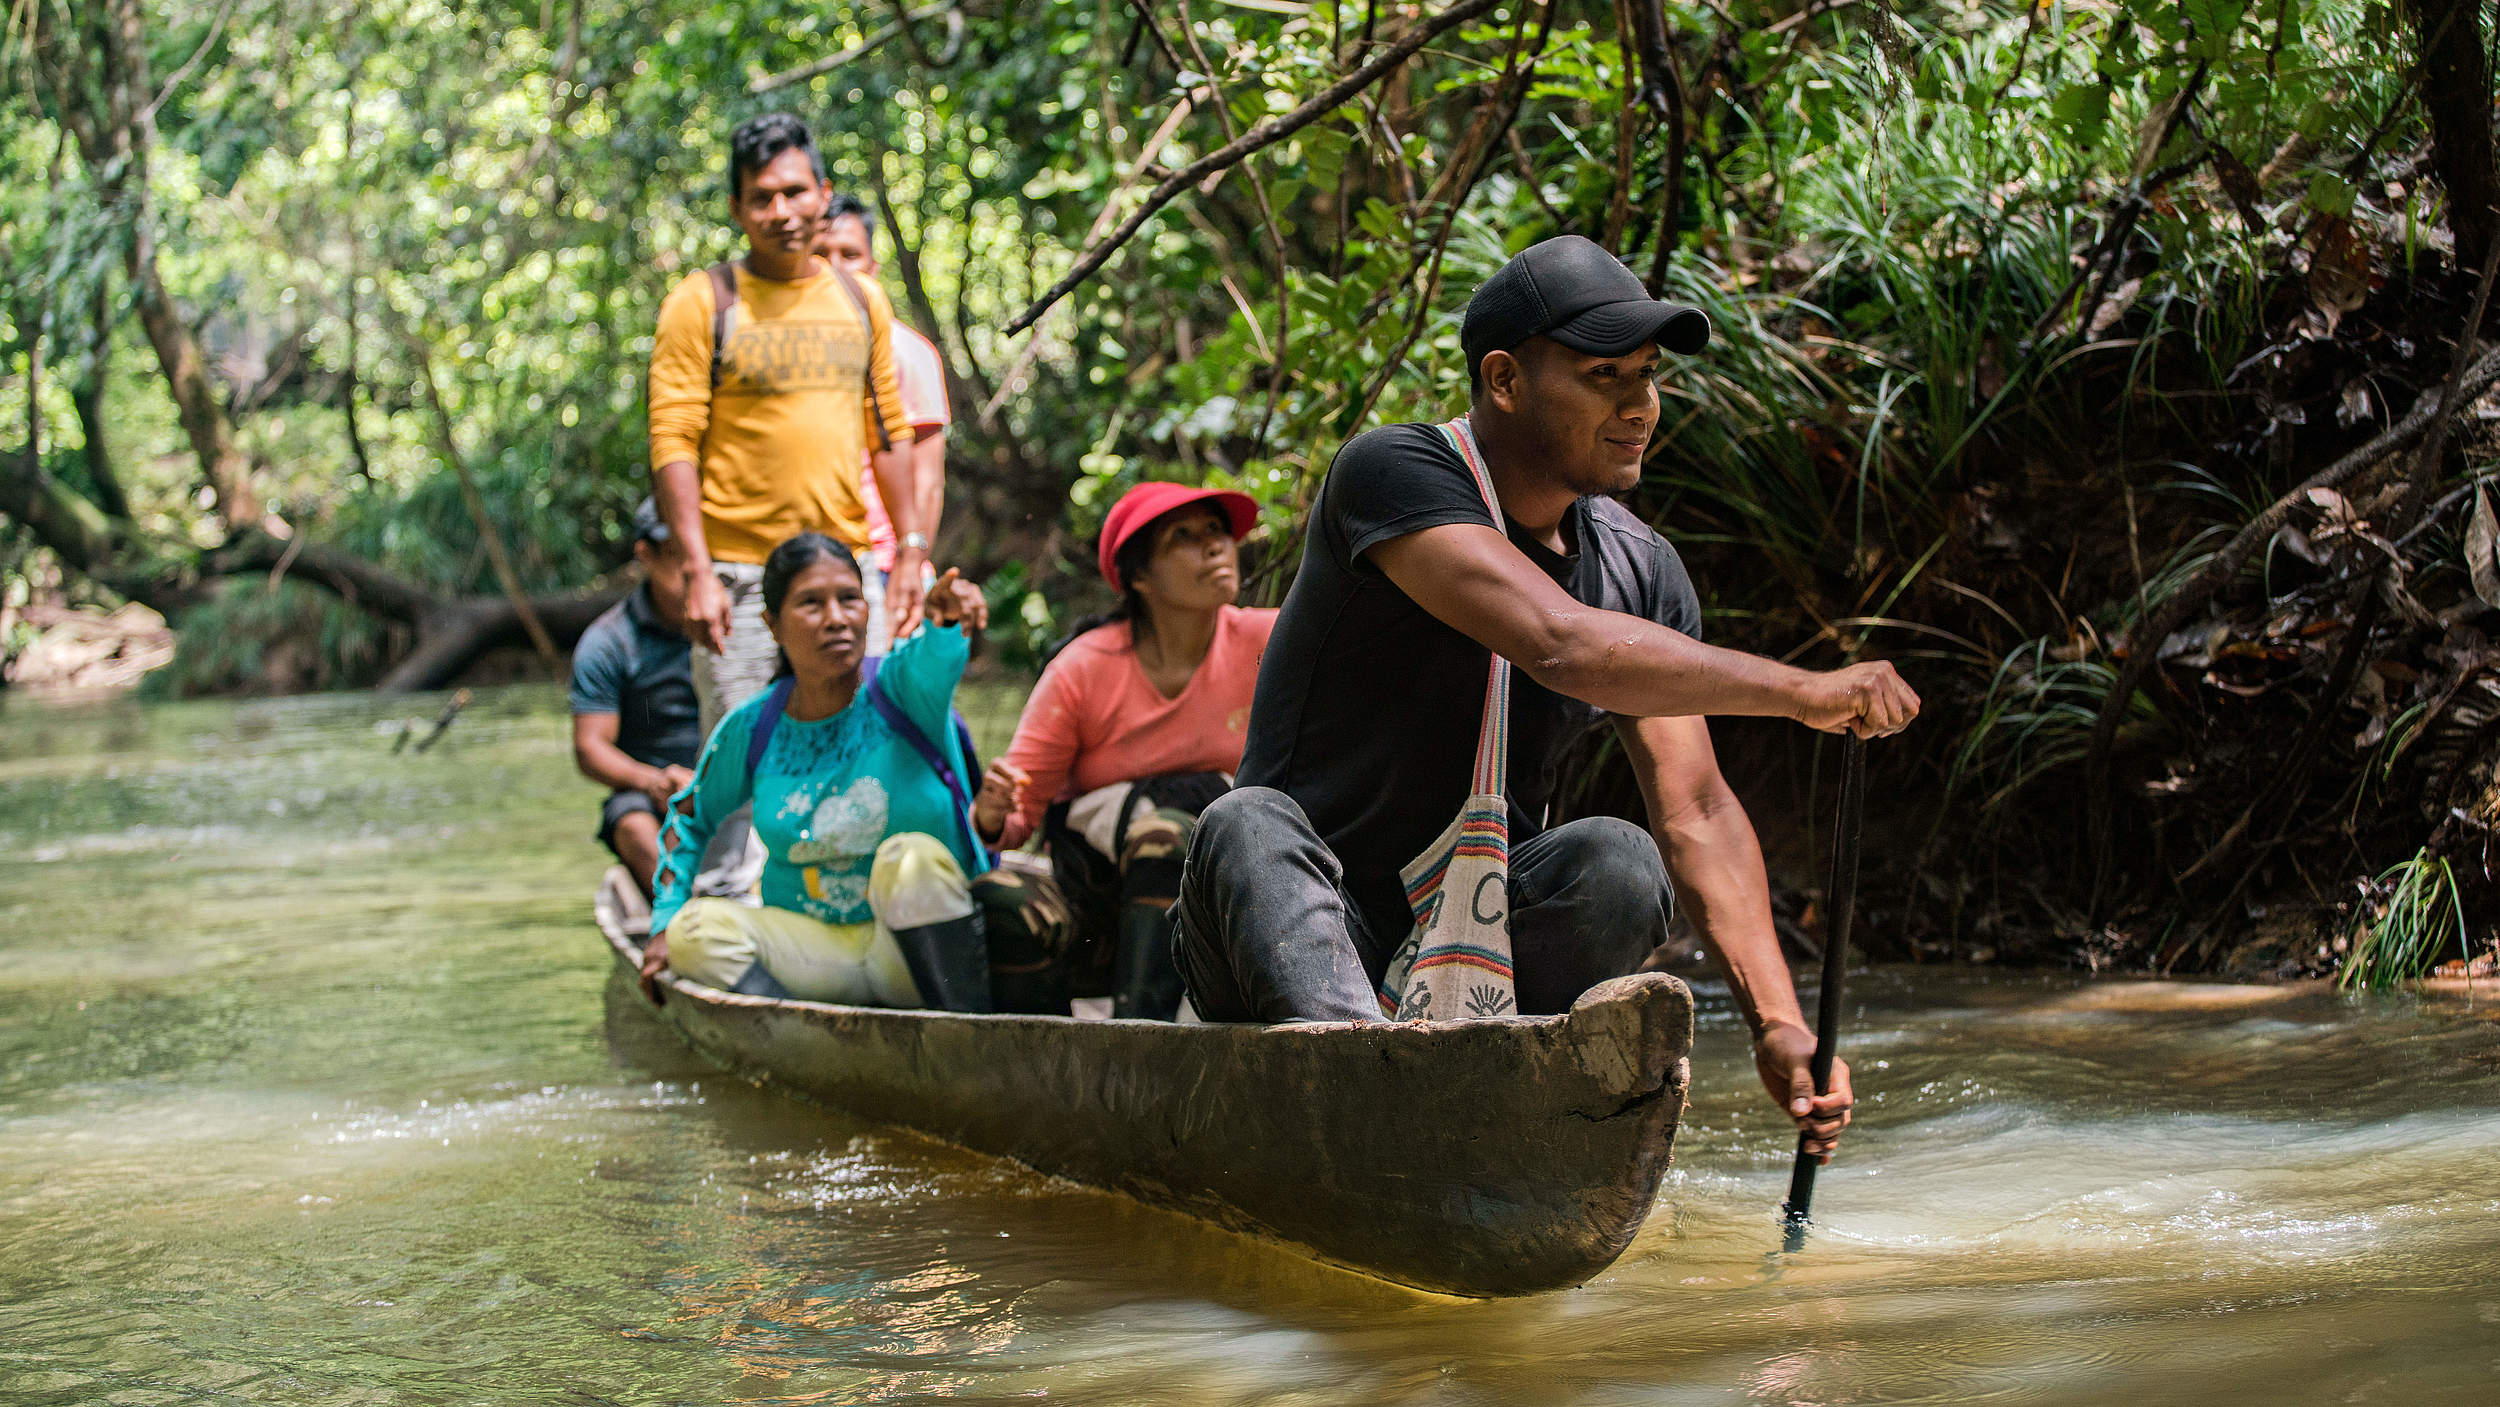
(916, 541)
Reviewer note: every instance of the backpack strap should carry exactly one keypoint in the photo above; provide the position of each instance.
(911, 733)
(868, 331)
(776, 703)
(724, 312)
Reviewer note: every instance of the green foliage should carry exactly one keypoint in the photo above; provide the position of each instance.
(2405, 922)
(495, 202)
(1022, 623)
(1987, 280)
(2037, 718)
(251, 638)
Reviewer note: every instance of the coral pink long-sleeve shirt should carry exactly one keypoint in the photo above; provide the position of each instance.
(1094, 719)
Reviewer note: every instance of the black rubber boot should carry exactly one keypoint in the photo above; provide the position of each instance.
(950, 963)
(1144, 982)
(1023, 978)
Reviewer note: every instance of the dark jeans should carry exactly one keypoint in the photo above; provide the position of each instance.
(1264, 930)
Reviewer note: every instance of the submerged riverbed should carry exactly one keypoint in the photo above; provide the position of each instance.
(314, 1088)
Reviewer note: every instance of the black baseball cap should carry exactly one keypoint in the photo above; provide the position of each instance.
(1570, 289)
(649, 526)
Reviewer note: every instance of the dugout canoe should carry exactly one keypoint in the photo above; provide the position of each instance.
(1475, 1158)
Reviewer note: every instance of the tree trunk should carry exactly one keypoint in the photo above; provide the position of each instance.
(59, 517)
(355, 276)
(99, 79)
(451, 632)
(33, 327)
(203, 416)
(2456, 95)
(169, 577)
(103, 478)
(488, 536)
(452, 637)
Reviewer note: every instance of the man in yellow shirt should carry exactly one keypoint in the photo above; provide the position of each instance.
(761, 407)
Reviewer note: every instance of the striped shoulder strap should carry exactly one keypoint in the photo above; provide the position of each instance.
(1492, 773)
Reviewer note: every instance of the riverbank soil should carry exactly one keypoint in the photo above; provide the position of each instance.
(58, 649)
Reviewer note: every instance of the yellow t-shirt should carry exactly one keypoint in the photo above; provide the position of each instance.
(777, 444)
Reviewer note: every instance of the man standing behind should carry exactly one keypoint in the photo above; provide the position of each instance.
(850, 241)
(762, 404)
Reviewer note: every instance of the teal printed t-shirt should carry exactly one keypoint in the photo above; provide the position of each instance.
(827, 792)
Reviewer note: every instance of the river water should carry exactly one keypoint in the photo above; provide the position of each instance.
(315, 1088)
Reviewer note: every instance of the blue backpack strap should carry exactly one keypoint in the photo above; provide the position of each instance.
(776, 703)
(911, 732)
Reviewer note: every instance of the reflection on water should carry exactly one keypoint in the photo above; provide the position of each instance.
(315, 1088)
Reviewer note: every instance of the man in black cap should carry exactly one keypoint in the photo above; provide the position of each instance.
(1363, 729)
(634, 723)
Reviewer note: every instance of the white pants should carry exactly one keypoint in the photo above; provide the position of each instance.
(743, 667)
(913, 882)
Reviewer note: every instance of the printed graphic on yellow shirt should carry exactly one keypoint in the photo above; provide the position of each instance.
(788, 356)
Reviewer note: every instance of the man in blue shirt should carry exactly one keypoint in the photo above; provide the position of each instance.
(635, 728)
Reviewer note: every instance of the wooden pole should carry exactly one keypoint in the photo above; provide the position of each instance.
(1843, 898)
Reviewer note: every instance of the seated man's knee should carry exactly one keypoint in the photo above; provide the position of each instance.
(1247, 822)
(1616, 853)
(915, 880)
(1612, 867)
(623, 808)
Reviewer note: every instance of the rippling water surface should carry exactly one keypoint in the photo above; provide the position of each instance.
(314, 1088)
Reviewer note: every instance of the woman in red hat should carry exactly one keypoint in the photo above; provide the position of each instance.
(1138, 722)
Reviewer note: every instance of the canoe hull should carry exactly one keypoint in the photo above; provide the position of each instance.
(1470, 1158)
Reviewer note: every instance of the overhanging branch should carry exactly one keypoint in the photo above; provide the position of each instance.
(1258, 138)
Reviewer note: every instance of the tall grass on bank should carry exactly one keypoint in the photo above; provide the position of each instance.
(1922, 238)
(2037, 718)
(2406, 919)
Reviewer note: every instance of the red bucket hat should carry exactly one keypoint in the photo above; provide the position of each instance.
(1147, 502)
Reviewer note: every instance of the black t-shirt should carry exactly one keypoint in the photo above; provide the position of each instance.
(630, 664)
(1367, 707)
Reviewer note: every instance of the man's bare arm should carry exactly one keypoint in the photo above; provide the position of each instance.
(595, 752)
(1711, 853)
(678, 486)
(1472, 579)
(898, 487)
(928, 454)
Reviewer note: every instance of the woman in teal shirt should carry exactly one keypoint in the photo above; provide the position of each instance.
(866, 899)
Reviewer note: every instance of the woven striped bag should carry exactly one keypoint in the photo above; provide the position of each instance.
(1456, 962)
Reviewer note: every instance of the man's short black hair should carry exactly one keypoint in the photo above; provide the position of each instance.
(845, 203)
(759, 139)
